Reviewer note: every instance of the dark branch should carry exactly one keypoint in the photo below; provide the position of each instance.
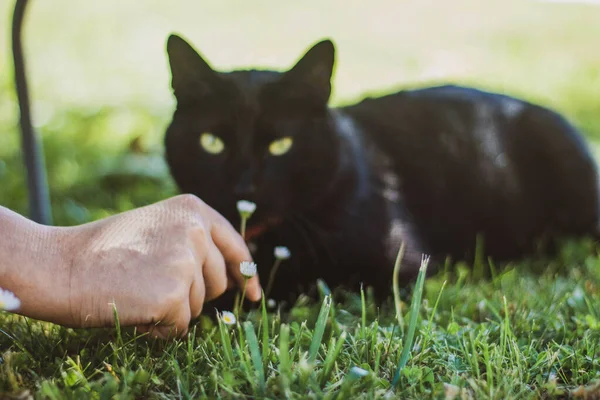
(39, 199)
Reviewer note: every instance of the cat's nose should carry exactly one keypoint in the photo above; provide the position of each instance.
(244, 189)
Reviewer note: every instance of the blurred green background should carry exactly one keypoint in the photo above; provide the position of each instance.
(99, 76)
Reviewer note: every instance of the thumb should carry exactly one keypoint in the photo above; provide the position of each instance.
(175, 327)
(163, 332)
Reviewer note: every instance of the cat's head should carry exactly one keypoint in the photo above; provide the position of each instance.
(257, 135)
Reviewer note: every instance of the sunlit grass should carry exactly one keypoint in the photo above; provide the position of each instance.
(519, 335)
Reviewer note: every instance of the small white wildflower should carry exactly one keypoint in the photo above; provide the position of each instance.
(271, 303)
(358, 372)
(248, 269)
(282, 253)
(451, 391)
(481, 306)
(228, 317)
(8, 301)
(246, 208)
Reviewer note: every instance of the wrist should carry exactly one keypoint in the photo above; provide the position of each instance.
(34, 265)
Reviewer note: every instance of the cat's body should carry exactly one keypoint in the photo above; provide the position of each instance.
(433, 167)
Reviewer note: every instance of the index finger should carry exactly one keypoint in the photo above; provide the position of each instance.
(234, 251)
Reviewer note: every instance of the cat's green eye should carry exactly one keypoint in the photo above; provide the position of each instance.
(211, 143)
(280, 146)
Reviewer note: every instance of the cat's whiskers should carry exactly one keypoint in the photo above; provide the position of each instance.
(296, 224)
(313, 234)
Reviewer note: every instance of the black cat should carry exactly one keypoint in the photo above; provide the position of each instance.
(340, 187)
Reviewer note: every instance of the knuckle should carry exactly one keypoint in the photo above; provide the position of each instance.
(188, 265)
(184, 259)
(234, 238)
(174, 293)
(177, 264)
(190, 201)
(199, 237)
(226, 226)
(199, 233)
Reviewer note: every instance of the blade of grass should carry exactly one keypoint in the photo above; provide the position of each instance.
(285, 369)
(255, 354)
(430, 322)
(412, 325)
(226, 342)
(317, 338)
(284, 348)
(334, 351)
(189, 356)
(363, 313)
(354, 375)
(119, 334)
(396, 287)
(265, 331)
(297, 346)
(325, 291)
(244, 363)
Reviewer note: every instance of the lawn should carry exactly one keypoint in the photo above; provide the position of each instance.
(100, 85)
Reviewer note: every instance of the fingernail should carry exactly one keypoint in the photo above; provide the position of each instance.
(257, 294)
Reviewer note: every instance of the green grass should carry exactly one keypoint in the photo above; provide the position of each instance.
(519, 335)
(99, 79)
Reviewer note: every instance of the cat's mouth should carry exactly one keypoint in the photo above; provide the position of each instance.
(255, 230)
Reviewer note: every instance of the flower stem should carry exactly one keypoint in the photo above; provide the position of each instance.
(243, 227)
(272, 277)
(239, 308)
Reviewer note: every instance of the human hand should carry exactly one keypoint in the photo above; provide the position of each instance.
(157, 264)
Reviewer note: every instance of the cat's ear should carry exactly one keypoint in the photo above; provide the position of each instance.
(191, 75)
(314, 70)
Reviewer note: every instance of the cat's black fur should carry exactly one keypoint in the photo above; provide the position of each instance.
(433, 167)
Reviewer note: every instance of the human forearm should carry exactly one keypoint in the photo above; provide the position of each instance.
(33, 266)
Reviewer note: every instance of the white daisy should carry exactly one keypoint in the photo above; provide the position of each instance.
(271, 303)
(8, 301)
(358, 372)
(228, 317)
(246, 208)
(248, 269)
(282, 253)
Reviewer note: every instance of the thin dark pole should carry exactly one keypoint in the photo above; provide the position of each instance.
(33, 155)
